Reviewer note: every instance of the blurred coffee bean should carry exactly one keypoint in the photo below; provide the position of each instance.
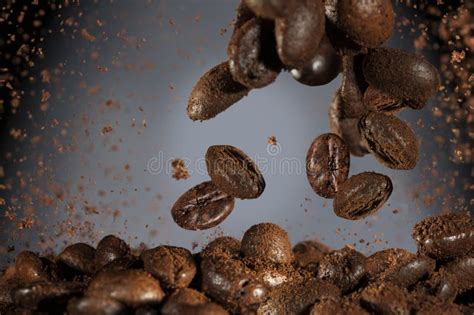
(214, 92)
(270, 9)
(390, 140)
(147, 310)
(267, 242)
(323, 67)
(385, 298)
(327, 164)
(352, 105)
(400, 74)
(29, 268)
(343, 268)
(445, 236)
(242, 15)
(95, 306)
(233, 172)
(186, 296)
(463, 269)
(253, 60)
(442, 285)
(123, 263)
(362, 195)
(7, 286)
(224, 245)
(310, 252)
(337, 306)
(173, 266)
(408, 273)
(79, 257)
(386, 259)
(378, 101)
(109, 249)
(132, 287)
(299, 32)
(202, 207)
(440, 308)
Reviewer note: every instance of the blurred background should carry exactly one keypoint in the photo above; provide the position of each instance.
(93, 112)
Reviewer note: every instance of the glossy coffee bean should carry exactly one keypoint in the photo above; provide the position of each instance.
(202, 207)
(323, 67)
(95, 306)
(385, 299)
(390, 140)
(177, 299)
(362, 195)
(378, 101)
(79, 257)
(409, 272)
(463, 270)
(299, 32)
(134, 288)
(379, 262)
(368, 23)
(214, 92)
(337, 306)
(109, 249)
(233, 172)
(267, 242)
(269, 9)
(343, 268)
(445, 236)
(123, 263)
(31, 268)
(327, 164)
(173, 266)
(400, 74)
(46, 296)
(310, 252)
(253, 60)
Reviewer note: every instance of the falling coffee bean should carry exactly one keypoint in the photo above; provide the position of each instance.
(253, 60)
(269, 9)
(267, 242)
(400, 74)
(391, 140)
(95, 306)
(327, 164)
(377, 101)
(299, 32)
(362, 195)
(352, 105)
(173, 266)
(233, 172)
(310, 252)
(202, 207)
(215, 91)
(79, 257)
(323, 67)
(109, 249)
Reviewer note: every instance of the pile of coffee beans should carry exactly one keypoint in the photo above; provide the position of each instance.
(261, 274)
(315, 40)
(233, 175)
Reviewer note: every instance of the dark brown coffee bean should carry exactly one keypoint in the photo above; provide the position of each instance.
(323, 67)
(31, 268)
(109, 249)
(445, 236)
(377, 101)
(362, 195)
(214, 92)
(243, 14)
(267, 242)
(47, 296)
(346, 128)
(327, 164)
(337, 306)
(463, 269)
(175, 301)
(386, 259)
(202, 207)
(253, 60)
(299, 32)
(224, 245)
(147, 310)
(79, 257)
(409, 272)
(400, 74)
(95, 306)
(123, 263)
(385, 298)
(343, 268)
(442, 285)
(390, 140)
(368, 23)
(310, 252)
(7, 286)
(270, 9)
(233, 172)
(134, 288)
(351, 89)
(173, 266)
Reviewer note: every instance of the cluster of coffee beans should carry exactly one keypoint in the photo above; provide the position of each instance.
(261, 274)
(233, 175)
(315, 40)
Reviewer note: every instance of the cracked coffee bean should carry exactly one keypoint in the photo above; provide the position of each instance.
(79, 257)
(202, 207)
(109, 249)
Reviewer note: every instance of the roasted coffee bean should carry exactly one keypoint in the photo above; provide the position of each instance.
(109, 249)
(299, 32)
(445, 236)
(224, 245)
(346, 128)
(323, 67)
(409, 272)
(253, 60)
(463, 269)
(385, 299)
(79, 257)
(269, 9)
(7, 286)
(343, 268)
(233, 172)
(134, 288)
(173, 266)
(46, 296)
(362, 195)
(390, 140)
(337, 306)
(268, 242)
(214, 92)
(147, 310)
(123, 263)
(327, 164)
(386, 259)
(175, 301)
(351, 89)
(31, 268)
(378, 101)
(202, 207)
(243, 14)
(310, 252)
(400, 74)
(442, 285)
(95, 306)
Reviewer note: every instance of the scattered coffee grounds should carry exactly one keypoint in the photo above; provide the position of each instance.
(180, 171)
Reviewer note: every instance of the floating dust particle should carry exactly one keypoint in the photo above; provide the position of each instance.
(87, 36)
(458, 56)
(179, 169)
(272, 140)
(26, 223)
